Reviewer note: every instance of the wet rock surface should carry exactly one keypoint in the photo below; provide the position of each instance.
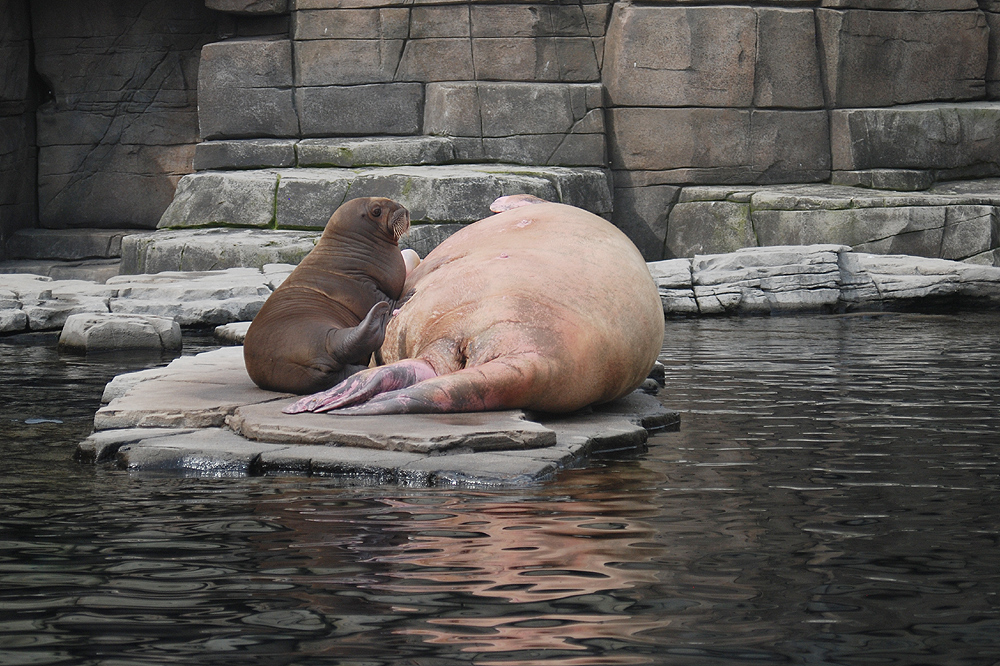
(203, 415)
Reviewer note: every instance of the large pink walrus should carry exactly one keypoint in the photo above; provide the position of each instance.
(544, 307)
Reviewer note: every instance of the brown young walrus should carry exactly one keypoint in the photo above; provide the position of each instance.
(325, 320)
(543, 306)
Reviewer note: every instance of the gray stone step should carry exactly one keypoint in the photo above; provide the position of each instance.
(952, 220)
(341, 152)
(65, 244)
(65, 254)
(304, 198)
(904, 147)
(216, 249)
(94, 270)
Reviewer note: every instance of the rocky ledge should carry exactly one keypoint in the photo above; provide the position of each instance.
(202, 415)
(793, 279)
(765, 280)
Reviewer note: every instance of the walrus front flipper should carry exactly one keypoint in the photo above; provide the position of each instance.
(364, 385)
(355, 345)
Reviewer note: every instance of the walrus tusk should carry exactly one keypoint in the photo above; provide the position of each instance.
(411, 259)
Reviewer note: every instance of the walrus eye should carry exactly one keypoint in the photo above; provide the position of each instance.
(377, 212)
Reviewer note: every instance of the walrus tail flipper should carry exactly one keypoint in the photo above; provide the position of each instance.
(365, 385)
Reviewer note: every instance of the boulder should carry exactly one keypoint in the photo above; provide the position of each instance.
(949, 221)
(67, 244)
(768, 280)
(232, 333)
(244, 154)
(901, 282)
(519, 123)
(307, 198)
(117, 332)
(236, 198)
(820, 278)
(662, 56)
(46, 303)
(374, 151)
(641, 212)
(674, 281)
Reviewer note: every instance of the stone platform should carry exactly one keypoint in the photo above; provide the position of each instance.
(202, 415)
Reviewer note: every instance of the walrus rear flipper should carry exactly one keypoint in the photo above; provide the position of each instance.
(502, 383)
(363, 386)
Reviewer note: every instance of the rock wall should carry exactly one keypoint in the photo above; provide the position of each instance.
(514, 83)
(17, 121)
(668, 96)
(120, 127)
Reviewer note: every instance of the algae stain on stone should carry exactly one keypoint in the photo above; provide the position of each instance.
(273, 224)
(345, 156)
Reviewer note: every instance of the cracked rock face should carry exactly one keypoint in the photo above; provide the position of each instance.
(123, 121)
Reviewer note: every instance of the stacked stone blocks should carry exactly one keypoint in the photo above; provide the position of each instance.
(514, 83)
(669, 97)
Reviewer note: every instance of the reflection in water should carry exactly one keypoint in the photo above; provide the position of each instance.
(830, 499)
(546, 580)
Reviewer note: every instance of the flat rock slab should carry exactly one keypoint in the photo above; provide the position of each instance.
(418, 433)
(305, 198)
(40, 303)
(791, 279)
(201, 415)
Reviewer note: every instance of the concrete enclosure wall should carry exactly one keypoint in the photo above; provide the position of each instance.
(666, 95)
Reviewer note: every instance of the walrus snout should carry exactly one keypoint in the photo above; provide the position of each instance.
(399, 222)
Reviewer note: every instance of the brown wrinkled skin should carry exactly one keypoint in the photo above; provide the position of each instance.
(559, 297)
(301, 340)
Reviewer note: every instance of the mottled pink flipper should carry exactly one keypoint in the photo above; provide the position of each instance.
(514, 201)
(502, 383)
(364, 385)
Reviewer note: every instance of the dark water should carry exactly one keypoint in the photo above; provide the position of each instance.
(832, 497)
